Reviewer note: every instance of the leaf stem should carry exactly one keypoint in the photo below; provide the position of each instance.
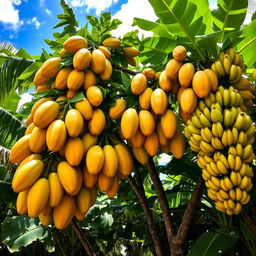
(126, 70)
(246, 45)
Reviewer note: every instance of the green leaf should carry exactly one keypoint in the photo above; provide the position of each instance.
(125, 79)
(106, 219)
(29, 71)
(19, 231)
(7, 195)
(79, 96)
(67, 61)
(11, 103)
(214, 243)
(22, 53)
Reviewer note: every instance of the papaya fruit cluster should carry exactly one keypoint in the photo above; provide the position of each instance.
(222, 133)
(61, 165)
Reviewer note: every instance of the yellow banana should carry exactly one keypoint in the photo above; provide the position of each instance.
(226, 97)
(208, 159)
(238, 75)
(226, 64)
(223, 194)
(206, 134)
(212, 97)
(201, 161)
(231, 204)
(227, 116)
(225, 203)
(228, 183)
(221, 56)
(245, 183)
(231, 161)
(249, 171)
(230, 137)
(233, 98)
(197, 112)
(195, 138)
(224, 161)
(193, 146)
(245, 198)
(243, 170)
(221, 89)
(248, 122)
(212, 185)
(219, 206)
(239, 194)
(224, 139)
(247, 151)
(215, 181)
(237, 59)
(218, 97)
(206, 147)
(250, 132)
(219, 68)
(233, 72)
(232, 194)
(231, 52)
(250, 140)
(238, 163)
(234, 134)
(202, 105)
(196, 122)
(216, 156)
(223, 186)
(242, 138)
(216, 143)
(213, 68)
(210, 170)
(234, 178)
(216, 115)
(214, 167)
(238, 208)
(234, 113)
(221, 167)
(240, 121)
(207, 113)
(192, 129)
(211, 195)
(208, 101)
(204, 121)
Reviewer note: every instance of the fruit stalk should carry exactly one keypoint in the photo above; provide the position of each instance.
(124, 69)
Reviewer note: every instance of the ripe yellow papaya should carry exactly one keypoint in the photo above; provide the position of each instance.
(47, 209)
(62, 53)
(26, 175)
(45, 219)
(56, 135)
(74, 151)
(88, 178)
(188, 100)
(29, 158)
(201, 84)
(80, 180)
(105, 51)
(151, 144)
(56, 189)
(37, 140)
(130, 60)
(79, 215)
(97, 123)
(149, 73)
(177, 145)
(46, 113)
(51, 67)
(172, 69)
(104, 183)
(39, 79)
(110, 161)
(129, 123)
(29, 120)
(114, 187)
(37, 104)
(116, 111)
(64, 212)
(145, 98)
(75, 79)
(213, 79)
(131, 51)
(85, 108)
(180, 91)
(146, 122)
(74, 122)
(184, 115)
(94, 159)
(140, 154)
(82, 59)
(186, 74)
(168, 123)
(165, 83)
(158, 74)
(163, 141)
(138, 84)
(21, 202)
(98, 61)
(83, 200)
(179, 53)
(43, 88)
(89, 79)
(71, 93)
(106, 74)
(20, 150)
(94, 95)
(112, 42)
(89, 140)
(62, 78)
(30, 129)
(159, 101)
(75, 43)
(138, 139)
(125, 162)
(94, 192)
(69, 177)
(38, 196)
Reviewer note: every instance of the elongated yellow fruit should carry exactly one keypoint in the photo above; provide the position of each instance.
(56, 189)
(84, 199)
(95, 159)
(168, 123)
(125, 162)
(129, 123)
(110, 161)
(74, 151)
(21, 203)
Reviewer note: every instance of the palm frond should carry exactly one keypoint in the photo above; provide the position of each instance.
(7, 48)
(4, 159)
(11, 128)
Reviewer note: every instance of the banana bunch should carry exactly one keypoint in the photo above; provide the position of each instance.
(222, 134)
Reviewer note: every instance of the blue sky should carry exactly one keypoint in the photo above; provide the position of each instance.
(25, 23)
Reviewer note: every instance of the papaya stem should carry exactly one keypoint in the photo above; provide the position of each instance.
(126, 70)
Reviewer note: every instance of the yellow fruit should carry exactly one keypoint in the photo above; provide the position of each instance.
(151, 144)
(104, 183)
(37, 141)
(74, 151)
(201, 84)
(130, 60)
(64, 212)
(46, 113)
(106, 74)
(159, 101)
(20, 150)
(95, 159)
(112, 42)
(129, 123)
(29, 120)
(85, 108)
(94, 95)
(140, 154)
(213, 79)
(62, 53)
(75, 43)
(80, 180)
(169, 123)
(146, 122)
(114, 187)
(88, 178)
(172, 68)
(105, 50)
(56, 135)
(83, 199)
(131, 51)
(149, 73)
(71, 93)
(177, 145)
(43, 88)
(97, 123)
(188, 100)
(39, 79)
(165, 83)
(75, 79)
(116, 111)
(21, 203)
(138, 139)
(138, 84)
(110, 161)
(82, 59)
(45, 219)
(51, 67)
(79, 215)
(37, 198)
(184, 115)
(186, 74)
(69, 177)
(163, 141)
(62, 78)
(180, 91)
(179, 53)
(56, 189)
(89, 140)
(125, 162)
(37, 104)
(74, 122)
(145, 98)
(98, 62)
(89, 79)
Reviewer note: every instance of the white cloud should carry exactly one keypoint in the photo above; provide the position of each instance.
(134, 8)
(48, 12)
(97, 5)
(35, 21)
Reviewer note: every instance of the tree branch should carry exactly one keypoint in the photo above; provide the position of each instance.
(248, 221)
(126, 70)
(81, 236)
